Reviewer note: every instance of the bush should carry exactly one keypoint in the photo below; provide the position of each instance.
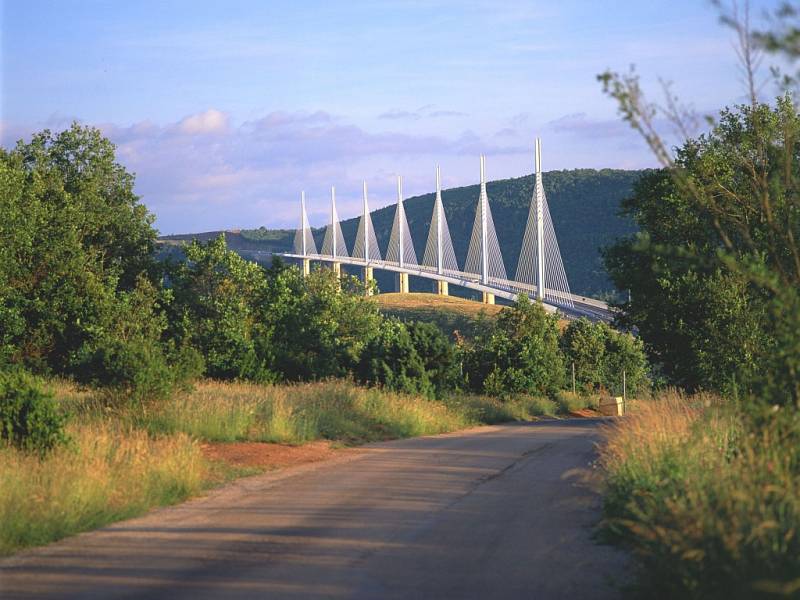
(709, 505)
(29, 417)
(569, 401)
(138, 370)
(519, 354)
(391, 360)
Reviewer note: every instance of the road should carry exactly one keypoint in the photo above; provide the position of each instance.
(491, 512)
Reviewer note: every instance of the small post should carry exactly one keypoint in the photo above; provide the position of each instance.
(573, 376)
(624, 387)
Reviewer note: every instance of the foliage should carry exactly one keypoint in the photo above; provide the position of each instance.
(710, 509)
(601, 355)
(73, 236)
(217, 297)
(716, 261)
(29, 418)
(519, 353)
(438, 356)
(390, 359)
(319, 324)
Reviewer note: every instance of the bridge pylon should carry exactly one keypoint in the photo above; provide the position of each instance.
(540, 261)
(484, 257)
(439, 252)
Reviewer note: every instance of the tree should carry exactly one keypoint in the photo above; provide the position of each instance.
(438, 356)
(390, 359)
(217, 305)
(718, 254)
(73, 240)
(518, 354)
(317, 325)
(584, 347)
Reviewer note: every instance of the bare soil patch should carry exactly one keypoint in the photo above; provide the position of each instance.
(268, 456)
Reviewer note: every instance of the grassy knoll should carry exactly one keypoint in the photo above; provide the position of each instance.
(449, 313)
(709, 509)
(122, 461)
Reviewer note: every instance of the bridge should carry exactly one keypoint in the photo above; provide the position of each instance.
(540, 270)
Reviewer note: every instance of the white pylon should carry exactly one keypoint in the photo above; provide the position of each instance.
(540, 261)
(304, 240)
(540, 282)
(484, 257)
(366, 246)
(401, 213)
(439, 251)
(401, 247)
(333, 244)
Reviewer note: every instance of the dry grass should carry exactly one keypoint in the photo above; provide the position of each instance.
(108, 472)
(711, 508)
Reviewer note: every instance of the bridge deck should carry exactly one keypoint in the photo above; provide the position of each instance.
(570, 305)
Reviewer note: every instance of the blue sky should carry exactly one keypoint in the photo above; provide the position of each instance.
(226, 110)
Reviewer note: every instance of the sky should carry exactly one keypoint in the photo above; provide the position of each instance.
(225, 111)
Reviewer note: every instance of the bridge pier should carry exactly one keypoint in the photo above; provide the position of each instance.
(337, 268)
(306, 267)
(488, 298)
(366, 274)
(402, 283)
(442, 288)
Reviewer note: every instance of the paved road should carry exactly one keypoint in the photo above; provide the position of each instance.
(493, 512)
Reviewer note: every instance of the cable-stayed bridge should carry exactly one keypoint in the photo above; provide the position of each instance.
(540, 270)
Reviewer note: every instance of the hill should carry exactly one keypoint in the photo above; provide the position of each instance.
(449, 313)
(584, 204)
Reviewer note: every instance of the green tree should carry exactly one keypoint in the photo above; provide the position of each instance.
(717, 256)
(518, 354)
(584, 346)
(390, 359)
(318, 325)
(438, 356)
(217, 305)
(73, 240)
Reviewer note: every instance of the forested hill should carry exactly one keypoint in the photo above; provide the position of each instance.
(584, 204)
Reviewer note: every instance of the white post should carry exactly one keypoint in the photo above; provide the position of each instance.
(484, 234)
(539, 223)
(333, 221)
(303, 221)
(439, 215)
(400, 220)
(366, 225)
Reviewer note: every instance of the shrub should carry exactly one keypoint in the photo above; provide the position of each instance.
(518, 354)
(29, 417)
(709, 505)
(391, 360)
(569, 401)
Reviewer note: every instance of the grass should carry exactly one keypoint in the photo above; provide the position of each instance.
(122, 461)
(108, 472)
(449, 313)
(710, 508)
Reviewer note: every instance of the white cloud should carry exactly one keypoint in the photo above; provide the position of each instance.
(210, 121)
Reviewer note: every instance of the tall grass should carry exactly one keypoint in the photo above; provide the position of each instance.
(108, 472)
(300, 413)
(710, 508)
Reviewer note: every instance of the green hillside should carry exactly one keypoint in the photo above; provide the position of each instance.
(584, 204)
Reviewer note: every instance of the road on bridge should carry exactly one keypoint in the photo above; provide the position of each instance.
(491, 512)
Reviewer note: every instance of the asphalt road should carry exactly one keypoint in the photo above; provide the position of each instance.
(493, 512)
